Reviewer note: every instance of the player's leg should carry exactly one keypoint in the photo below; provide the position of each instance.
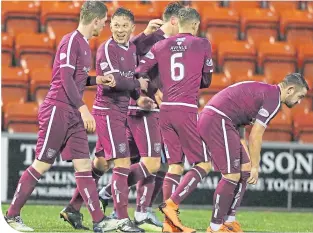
(77, 150)
(196, 153)
(221, 138)
(175, 159)
(146, 133)
(230, 219)
(52, 131)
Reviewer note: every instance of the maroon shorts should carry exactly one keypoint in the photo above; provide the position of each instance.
(112, 140)
(61, 130)
(223, 142)
(181, 138)
(144, 135)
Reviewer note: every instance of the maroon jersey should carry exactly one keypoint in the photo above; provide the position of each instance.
(120, 61)
(246, 102)
(70, 70)
(143, 45)
(181, 61)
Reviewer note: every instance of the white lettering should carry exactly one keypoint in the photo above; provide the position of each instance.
(30, 148)
(290, 164)
(268, 166)
(306, 164)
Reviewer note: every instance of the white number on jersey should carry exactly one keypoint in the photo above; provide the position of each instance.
(177, 65)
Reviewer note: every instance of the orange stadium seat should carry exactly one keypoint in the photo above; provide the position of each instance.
(219, 82)
(279, 129)
(204, 96)
(56, 29)
(220, 24)
(140, 27)
(201, 6)
(22, 114)
(34, 50)
(310, 6)
(256, 77)
(242, 5)
(277, 59)
(234, 54)
(305, 106)
(305, 58)
(142, 11)
(20, 16)
(105, 35)
(14, 85)
(303, 124)
(58, 10)
(281, 6)
(6, 49)
(297, 27)
(40, 83)
(259, 25)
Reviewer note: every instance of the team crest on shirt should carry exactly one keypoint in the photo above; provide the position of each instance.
(51, 153)
(179, 41)
(209, 62)
(62, 56)
(122, 148)
(103, 65)
(157, 147)
(263, 112)
(86, 69)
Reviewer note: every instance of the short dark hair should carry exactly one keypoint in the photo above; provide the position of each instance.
(188, 15)
(121, 11)
(295, 79)
(91, 10)
(171, 9)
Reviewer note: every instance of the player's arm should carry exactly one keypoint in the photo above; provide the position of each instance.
(158, 97)
(100, 80)
(207, 69)
(145, 40)
(107, 64)
(269, 109)
(147, 63)
(68, 58)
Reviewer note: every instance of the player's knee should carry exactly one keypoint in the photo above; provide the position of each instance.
(101, 164)
(234, 176)
(152, 164)
(246, 167)
(206, 166)
(177, 169)
(123, 162)
(82, 165)
(41, 167)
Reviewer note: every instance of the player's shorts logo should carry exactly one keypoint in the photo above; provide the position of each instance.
(122, 148)
(103, 65)
(62, 56)
(157, 147)
(150, 55)
(236, 163)
(209, 62)
(263, 112)
(51, 153)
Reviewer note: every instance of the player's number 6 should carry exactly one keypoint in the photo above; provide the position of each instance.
(179, 66)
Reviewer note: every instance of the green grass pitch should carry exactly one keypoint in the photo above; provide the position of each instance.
(45, 218)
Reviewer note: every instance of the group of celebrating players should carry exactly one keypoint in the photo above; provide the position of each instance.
(145, 107)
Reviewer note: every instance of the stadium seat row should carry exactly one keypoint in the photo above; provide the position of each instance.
(22, 117)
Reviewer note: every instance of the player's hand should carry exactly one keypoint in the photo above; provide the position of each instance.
(108, 80)
(153, 25)
(254, 175)
(146, 103)
(158, 97)
(88, 119)
(144, 82)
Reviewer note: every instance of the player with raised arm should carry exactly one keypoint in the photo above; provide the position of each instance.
(184, 62)
(143, 126)
(238, 105)
(64, 119)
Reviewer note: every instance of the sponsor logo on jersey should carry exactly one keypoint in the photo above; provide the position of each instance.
(178, 48)
(180, 40)
(263, 112)
(127, 74)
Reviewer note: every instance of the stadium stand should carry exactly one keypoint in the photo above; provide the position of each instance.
(255, 40)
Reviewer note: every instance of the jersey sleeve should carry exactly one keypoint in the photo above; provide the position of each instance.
(107, 63)
(147, 62)
(269, 109)
(69, 53)
(144, 43)
(208, 61)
